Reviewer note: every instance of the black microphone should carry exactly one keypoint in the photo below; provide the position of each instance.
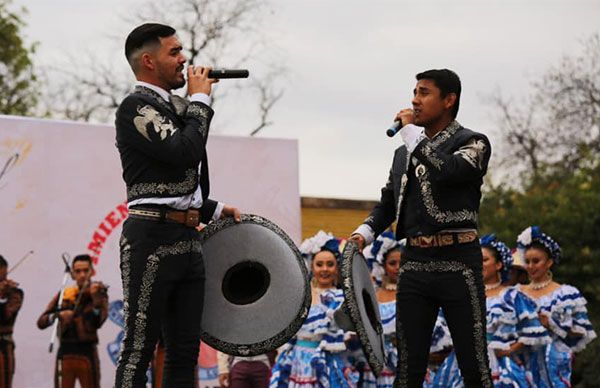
(394, 129)
(228, 73)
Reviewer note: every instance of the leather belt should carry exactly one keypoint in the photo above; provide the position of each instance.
(190, 217)
(442, 239)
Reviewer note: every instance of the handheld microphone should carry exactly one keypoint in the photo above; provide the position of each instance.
(394, 129)
(228, 73)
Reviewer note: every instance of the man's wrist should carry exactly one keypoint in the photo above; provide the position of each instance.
(411, 136)
(366, 232)
(201, 97)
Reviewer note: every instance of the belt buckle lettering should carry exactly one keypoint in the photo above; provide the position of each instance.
(446, 239)
(466, 237)
(426, 241)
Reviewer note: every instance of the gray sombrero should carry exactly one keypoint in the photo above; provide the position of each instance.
(360, 311)
(257, 293)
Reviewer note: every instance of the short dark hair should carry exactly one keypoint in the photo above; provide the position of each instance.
(83, 257)
(3, 262)
(148, 33)
(447, 81)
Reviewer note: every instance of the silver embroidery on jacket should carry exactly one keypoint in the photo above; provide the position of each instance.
(147, 114)
(473, 152)
(143, 302)
(403, 182)
(478, 323)
(151, 93)
(176, 188)
(202, 114)
(429, 148)
(198, 111)
(179, 103)
(434, 211)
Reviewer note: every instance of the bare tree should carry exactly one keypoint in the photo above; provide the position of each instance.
(557, 127)
(268, 94)
(76, 93)
(224, 33)
(570, 92)
(521, 153)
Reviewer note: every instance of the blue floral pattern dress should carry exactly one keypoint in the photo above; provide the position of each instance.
(440, 341)
(387, 312)
(551, 365)
(312, 357)
(511, 317)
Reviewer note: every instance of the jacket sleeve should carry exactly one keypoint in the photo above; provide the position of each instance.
(207, 210)
(466, 164)
(146, 128)
(44, 319)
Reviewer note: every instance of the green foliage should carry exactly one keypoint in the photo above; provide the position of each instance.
(567, 207)
(17, 79)
(554, 156)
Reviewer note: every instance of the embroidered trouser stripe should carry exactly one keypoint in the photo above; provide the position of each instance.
(162, 288)
(424, 287)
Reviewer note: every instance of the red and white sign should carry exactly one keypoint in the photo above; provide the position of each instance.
(61, 191)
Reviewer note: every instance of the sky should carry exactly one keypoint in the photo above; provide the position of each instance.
(350, 66)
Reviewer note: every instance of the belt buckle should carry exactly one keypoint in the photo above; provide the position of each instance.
(192, 218)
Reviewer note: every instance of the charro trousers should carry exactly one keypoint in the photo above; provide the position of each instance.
(77, 362)
(448, 278)
(7, 363)
(163, 284)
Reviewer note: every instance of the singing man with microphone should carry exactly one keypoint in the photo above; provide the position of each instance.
(433, 194)
(162, 144)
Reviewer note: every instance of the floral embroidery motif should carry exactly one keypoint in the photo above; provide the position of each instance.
(151, 93)
(176, 188)
(198, 111)
(126, 273)
(179, 103)
(403, 182)
(202, 114)
(143, 302)
(473, 152)
(429, 148)
(147, 114)
(478, 324)
(434, 211)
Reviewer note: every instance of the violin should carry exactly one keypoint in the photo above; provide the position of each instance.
(7, 286)
(74, 297)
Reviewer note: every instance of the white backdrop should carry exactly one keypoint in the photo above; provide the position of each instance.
(61, 191)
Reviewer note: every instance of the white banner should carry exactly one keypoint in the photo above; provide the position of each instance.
(61, 191)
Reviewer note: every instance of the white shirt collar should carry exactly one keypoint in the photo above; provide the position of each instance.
(162, 92)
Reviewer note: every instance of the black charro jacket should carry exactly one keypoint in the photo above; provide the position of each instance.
(449, 171)
(161, 147)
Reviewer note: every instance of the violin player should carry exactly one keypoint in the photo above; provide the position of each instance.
(83, 310)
